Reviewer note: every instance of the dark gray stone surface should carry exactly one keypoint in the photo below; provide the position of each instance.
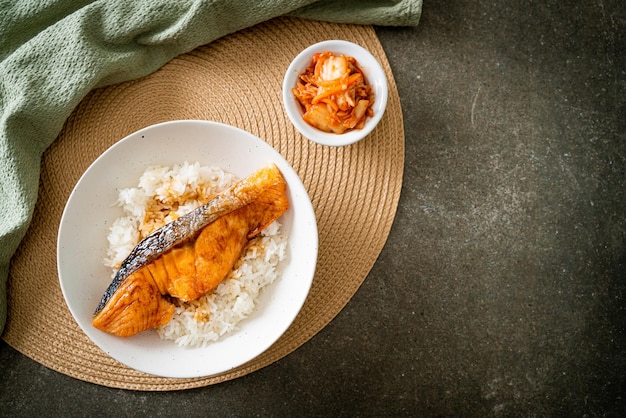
(501, 290)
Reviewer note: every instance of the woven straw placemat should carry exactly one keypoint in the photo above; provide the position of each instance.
(235, 80)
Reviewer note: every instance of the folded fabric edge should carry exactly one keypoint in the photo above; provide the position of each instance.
(402, 13)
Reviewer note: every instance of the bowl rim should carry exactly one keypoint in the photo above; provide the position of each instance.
(140, 352)
(374, 72)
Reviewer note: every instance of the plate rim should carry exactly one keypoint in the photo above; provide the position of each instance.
(294, 181)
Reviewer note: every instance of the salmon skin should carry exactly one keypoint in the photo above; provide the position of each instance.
(191, 255)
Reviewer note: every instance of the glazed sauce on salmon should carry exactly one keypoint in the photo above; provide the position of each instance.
(191, 256)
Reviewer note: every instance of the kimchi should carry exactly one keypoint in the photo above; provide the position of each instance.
(334, 94)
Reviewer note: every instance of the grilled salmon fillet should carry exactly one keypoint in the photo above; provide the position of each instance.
(190, 256)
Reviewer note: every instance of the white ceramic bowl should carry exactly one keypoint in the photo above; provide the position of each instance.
(90, 210)
(374, 75)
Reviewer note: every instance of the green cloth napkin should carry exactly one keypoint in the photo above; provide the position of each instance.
(53, 52)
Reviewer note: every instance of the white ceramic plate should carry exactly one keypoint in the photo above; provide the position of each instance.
(90, 210)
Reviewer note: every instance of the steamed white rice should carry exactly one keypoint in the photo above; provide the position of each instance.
(162, 195)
